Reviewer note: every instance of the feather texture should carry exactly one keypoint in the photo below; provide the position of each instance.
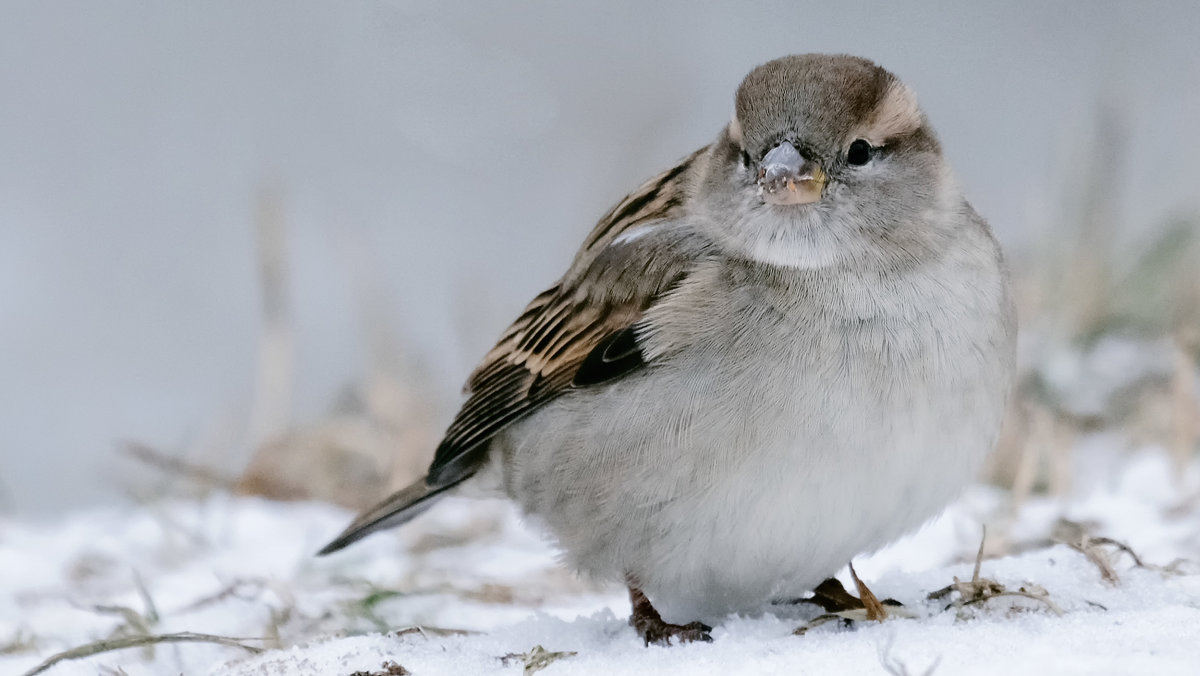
(608, 288)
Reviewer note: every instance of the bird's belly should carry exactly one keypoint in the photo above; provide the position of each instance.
(789, 518)
(718, 493)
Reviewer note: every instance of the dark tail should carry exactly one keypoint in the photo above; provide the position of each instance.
(398, 508)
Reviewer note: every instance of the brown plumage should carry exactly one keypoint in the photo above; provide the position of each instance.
(537, 358)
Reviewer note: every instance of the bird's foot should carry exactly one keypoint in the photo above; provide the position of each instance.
(657, 631)
(840, 605)
(833, 598)
(651, 627)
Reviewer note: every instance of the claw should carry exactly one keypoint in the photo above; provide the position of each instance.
(651, 627)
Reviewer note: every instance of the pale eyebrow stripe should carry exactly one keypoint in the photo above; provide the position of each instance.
(897, 114)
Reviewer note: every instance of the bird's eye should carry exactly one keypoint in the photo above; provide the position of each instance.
(745, 159)
(860, 152)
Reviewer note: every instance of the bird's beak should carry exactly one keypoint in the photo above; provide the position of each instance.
(787, 177)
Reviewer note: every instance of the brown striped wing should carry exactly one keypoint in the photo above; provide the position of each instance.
(605, 292)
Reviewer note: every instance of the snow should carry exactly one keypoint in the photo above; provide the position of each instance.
(243, 567)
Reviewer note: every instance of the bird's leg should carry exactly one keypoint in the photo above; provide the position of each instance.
(651, 627)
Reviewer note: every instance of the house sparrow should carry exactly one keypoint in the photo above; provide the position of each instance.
(790, 348)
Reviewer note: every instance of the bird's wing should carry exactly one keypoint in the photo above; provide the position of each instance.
(581, 331)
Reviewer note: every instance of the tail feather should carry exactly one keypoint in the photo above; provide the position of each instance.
(398, 508)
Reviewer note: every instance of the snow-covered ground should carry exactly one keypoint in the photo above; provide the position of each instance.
(486, 592)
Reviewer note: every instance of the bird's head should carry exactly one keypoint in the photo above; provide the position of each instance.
(826, 159)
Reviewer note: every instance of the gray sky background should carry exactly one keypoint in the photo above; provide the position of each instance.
(454, 155)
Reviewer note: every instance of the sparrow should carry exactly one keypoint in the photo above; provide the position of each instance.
(790, 348)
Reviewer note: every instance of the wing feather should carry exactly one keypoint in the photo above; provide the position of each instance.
(606, 291)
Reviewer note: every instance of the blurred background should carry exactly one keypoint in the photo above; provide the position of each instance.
(249, 244)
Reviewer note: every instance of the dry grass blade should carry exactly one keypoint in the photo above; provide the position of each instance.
(875, 609)
(171, 465)
(1099, 558)
(21, 642)
(1180, 567)
(151, 612)
(275, 369)
(895, 667)
(1039, 596)
(1185, 400)
(820, 620)
(978, 586)
(124, 642)
(433, 631)
(980, 590)
(1076, 537)
(1137, 560)
(246, 589)
(388, 668)
(850, 616)
(537, 658)
(135, 621)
